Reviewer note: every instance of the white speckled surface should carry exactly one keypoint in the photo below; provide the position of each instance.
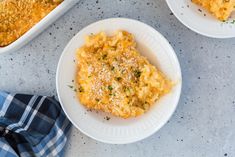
(204, 122)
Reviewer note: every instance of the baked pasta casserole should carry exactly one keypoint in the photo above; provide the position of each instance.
(18, 16)
(222, 9)
(113, 77)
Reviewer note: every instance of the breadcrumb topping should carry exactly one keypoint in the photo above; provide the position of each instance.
(18, 16)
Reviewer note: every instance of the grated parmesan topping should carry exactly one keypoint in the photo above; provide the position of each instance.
(115, 78)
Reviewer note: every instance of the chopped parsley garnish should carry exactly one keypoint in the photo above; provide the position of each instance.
(73, 88)
(104, 56)
(112, 68)
(110, 87)
(81, 89)
(137, 73)
(233, 22)
(70, 86)
(118, 78)
(127, 89)
(107, 118)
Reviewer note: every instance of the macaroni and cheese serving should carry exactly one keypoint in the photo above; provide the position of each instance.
(113, 77)
(222, 9)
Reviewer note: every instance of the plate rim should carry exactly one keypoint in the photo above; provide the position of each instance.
(137, 138)
(195, 29)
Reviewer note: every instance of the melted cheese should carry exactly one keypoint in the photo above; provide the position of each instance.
(113, 77)
(222, 9)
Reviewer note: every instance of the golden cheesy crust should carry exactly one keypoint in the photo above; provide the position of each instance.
(221, 9)
(18, 16)
(113, 77)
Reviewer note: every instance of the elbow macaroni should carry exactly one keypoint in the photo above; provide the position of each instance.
(113, 77)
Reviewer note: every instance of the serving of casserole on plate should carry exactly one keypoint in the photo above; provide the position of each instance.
(113, 77)
(127, 74)
(212, 18)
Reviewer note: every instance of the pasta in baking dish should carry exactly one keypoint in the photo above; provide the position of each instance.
(222, 9)
(18, 16)
(113, 77)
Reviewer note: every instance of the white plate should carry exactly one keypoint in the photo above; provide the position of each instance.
(119, 131)
(40, 26)
(188, 13)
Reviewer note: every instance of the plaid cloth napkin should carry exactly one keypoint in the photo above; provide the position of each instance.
(31, 126)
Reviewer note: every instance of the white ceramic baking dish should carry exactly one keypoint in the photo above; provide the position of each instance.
(40, 26)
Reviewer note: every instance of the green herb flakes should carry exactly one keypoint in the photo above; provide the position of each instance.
(110, 87)
(137, 73)
(70, 86)
(104, 56)
(81, 89)
(118, 78)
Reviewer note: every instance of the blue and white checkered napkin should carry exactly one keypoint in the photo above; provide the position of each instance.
(31, 126)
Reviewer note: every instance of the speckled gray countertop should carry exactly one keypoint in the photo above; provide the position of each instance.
(204, 122)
